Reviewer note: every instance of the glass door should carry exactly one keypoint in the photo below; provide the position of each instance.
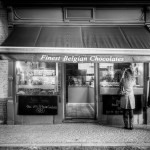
(80, 100)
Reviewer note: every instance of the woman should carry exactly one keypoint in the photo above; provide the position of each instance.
(128, 99)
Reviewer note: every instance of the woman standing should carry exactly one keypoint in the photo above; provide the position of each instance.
(128, 99)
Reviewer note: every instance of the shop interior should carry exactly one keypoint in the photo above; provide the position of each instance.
(36, 78)
(80, 91)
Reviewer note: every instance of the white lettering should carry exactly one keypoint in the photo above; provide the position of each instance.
(50, 58)
(106, 59)
(74, 59)
(43, 57)
(92, 58)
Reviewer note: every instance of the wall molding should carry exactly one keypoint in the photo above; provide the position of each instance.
(60, 16)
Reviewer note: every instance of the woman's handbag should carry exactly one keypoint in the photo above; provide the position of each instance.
(121, 87)
(121, 90)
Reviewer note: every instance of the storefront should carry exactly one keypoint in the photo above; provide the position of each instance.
(65, 66)
(53, 84)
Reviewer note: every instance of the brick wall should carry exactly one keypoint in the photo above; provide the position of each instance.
(3, 90)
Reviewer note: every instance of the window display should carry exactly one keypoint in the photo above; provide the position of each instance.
(36, 78)
(110, 73)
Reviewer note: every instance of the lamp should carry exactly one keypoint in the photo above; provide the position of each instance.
(42, 65)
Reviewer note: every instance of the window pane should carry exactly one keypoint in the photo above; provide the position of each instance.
(110, 73)
(36, 78)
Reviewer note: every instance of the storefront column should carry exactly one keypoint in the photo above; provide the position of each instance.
(59, 118)
(148, 96)
(97, 99)
(146, 114)
(63, 91)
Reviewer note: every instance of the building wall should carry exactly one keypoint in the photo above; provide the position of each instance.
(77, 15)
(3, 90)
(3, 67)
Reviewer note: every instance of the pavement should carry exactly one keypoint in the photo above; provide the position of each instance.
(73, 136)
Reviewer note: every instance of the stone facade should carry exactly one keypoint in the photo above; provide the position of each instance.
(3, 90)
(4, 79)
(3, 67)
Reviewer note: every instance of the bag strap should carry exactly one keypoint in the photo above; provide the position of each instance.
(123, 75)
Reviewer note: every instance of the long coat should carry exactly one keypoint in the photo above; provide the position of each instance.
(128, 100)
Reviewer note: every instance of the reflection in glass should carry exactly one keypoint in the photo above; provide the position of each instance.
(36, 78)
(110, 73)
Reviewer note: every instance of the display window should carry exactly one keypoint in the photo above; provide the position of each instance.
(109, 80)
(37, 87)
(37, 78)
(110, 73)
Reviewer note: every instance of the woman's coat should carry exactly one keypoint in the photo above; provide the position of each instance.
(128, 100)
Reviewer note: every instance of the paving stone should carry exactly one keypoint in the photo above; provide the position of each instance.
(71, 134)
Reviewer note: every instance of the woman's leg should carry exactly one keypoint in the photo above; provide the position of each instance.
(131, 118)
(125, 118)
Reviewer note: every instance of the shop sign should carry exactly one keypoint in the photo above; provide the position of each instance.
(37, 105)
(79, 58)
(83, 59)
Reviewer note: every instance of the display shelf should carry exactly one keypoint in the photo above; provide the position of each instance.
(114, 90)
(36, 86)
(38, 95)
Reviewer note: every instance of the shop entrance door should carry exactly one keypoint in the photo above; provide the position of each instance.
(80, 100)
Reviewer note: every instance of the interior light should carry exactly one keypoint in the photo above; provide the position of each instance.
(42, 65)
(18, 65)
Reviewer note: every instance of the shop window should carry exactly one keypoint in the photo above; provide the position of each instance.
(38, 87)
(109, 76)
(110, 73)
(37, 78)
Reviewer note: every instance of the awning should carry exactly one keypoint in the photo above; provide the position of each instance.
(135, 37)
(127, 41)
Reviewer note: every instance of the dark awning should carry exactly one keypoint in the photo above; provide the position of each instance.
(136, 37)
(45, 37)
(79, 40)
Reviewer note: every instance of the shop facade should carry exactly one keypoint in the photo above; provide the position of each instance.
(72, 60)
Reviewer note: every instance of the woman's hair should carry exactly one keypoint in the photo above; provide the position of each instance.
(129, 74)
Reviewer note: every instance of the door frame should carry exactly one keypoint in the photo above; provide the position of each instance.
(96, 91)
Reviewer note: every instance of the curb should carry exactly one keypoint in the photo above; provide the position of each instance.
(78, 145)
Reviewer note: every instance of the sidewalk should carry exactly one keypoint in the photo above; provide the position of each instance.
(74, 134)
